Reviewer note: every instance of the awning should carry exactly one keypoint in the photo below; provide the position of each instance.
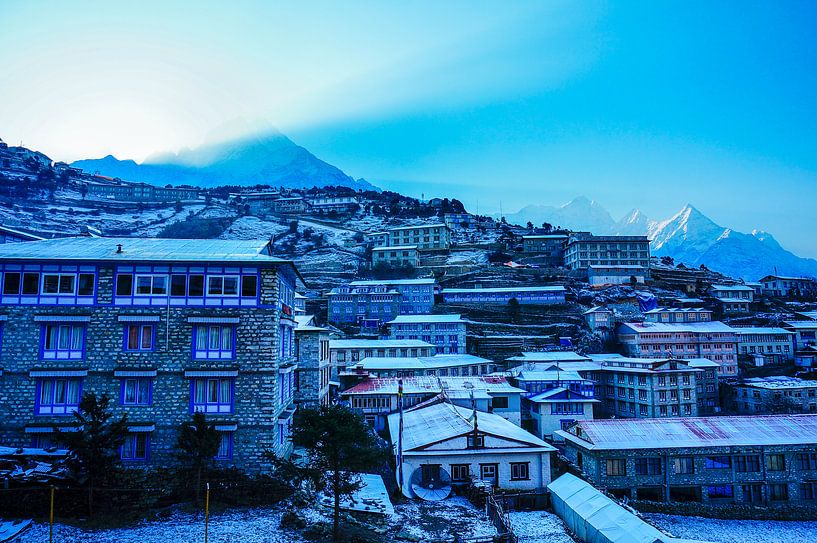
(213, 320)
(138, 318)
(58, 373)
(49, 429)
(134, 373)
(141, 427)
(62, 318)
(4, 318)
(226, 427)
(211, 373)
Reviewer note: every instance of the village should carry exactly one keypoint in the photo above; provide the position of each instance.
(517, 376)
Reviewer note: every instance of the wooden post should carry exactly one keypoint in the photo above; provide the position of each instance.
(206, 512)
(51, 518)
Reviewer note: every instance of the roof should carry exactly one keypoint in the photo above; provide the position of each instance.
(521, 288)
(421, 362)
(432, 384)
(808, 325)
(616, 267)
(761, 330)
(560, 394)
(549, 375)
(376, 343)
(678, 310)
(623, 434)
(733, 300)
(741, 288)
(569, 365)
(809, 314)
(20, 233)
(597, 309)
(378, 282)
(777, 382)
(550, 356)
(545, 236)
(443, 421)
(141, 250)
(670, 327)
(417, 226)
(789, 278)
(395, 248)
(411, 319)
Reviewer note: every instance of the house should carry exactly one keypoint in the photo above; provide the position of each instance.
(376, 239)
(467, 445)
(536, 357)
(714, 341)
(774, 345)
(257, 201)
(15, 235)
(336, 204)
(757, 460)
(806, 357)
(291, 204)
(347, 352)
(300, 304)
(787, 287)
(536, 381)
(774, 394)
(584, 250)
(678, 314)
(398, 256)
(380, 301)
(313, 373)
(805, 333)
(733, 298)
(600, 320)
(458, 220)
(445, 332)
(427, 237)
(442, 365)
(166, 327)
(524, 295)
(598, 275)
(549, 246)
(555, 409)
(138, 192)
(377, 398)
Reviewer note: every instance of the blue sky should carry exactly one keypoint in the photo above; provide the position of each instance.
(634, 104)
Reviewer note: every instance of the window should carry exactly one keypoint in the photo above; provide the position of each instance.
(135, 447)
(63, 342)
(222, 285)
(225, 447)
(178, 285)
(684, 465)
(124, 284)
(779, 492)
(212, 395)
(86, 284)
(139, 337)
(249, 286)
(724, 492)
(476, 442)
(616, 467)
(808, 491)
(749, 463)
(214, 341)
(11, 283)
(718, 462)
(751, 493)
(807, 461)
(520, 471)
(195, 286)
(500, 402)
(648, 466)
(136, 391)
(151, 285)
(31, 284)
(460, 472)
(776, 462)
(58, 396)
(59, 283)
(488, 472)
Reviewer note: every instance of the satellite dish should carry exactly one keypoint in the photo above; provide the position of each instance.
(430, 482)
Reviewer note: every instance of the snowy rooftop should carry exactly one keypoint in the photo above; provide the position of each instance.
(560, 394)
(431, 384)
(550, 356)
(733, 288)
(396, 248)
(377, 343)
(778, 382)
(140, 250)
(678, 310)
(549, 375)
(418, 226)
(521, 288)
(761, 330)
(379, 282)
(412, 319)
(546, 236)
(695, 327)
(569, 365)
(809, 315)
(442, 421)
(791, 324)
(421, 363)
(623, 434)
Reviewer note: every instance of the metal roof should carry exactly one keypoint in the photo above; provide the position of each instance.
(412, 319)
(761, 330)
(623, 434)
(395, 248)
(379, 282)
(670, 327)
(432, 384)
(550, 356)
(376, 343)
(421, 362)
(777, 382)
(521, 288)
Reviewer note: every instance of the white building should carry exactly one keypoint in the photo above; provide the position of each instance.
(468, 445)
(443, 365)
(785, 287)
(399, 256)
(525, 295)
(427, 237)
(773, 344)
(733, 298)
(347, 352)
(805, 333)
(445, 332)
(556, 409)
(765, 395)
(678, 314)
(598, 275)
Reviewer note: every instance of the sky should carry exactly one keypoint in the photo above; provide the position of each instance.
(647, 105)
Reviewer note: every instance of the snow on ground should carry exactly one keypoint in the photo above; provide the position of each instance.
(246, 526)
(426, 521)
(254, 228)
(735, 531)
(467, 257)
(539, 527)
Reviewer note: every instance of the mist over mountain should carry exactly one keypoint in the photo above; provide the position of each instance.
(269, 159)
(689, 236)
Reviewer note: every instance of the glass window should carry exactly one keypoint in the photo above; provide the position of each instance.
(724, 492)
(749, 463)
(214, 341)
(520, 471)
(196, 285)
(135, 447)
(684, 465)
(63, 342)
(139, 337)
(11, 283)
(59, 283)
(778, 492)
(58, 396)
(718, 462)
(225, 447)
(776, 462)
(86, 284)
(616, 467)
(212, 395)
(136, 391)
(178, 285)
(124, 284)
(249, 286)
(31, 283)
(151, 285)
(648, 466)
(460, 472)
(222, 285)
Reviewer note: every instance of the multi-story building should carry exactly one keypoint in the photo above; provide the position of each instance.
(525, 295)
(714, 341)
(774, 344)
(584, 250)
(380, 300)
(551, 247)
(774, 394)
(733, 298)
(787, 287)
(458, 220)
(441, 365)
(555, 409)
(600, 320)
(757, 460)
(13, 235)
(314, 371)
(138, 192)
(347, 352)
(678, 314)
(427, 237)
(165, 327)
(377, 239)
(536, 381)
(805, 333)
(377, 398)
(445, 332)
(398, 256)
(257, 201)
(338, 204)
(598, 275)
(290, 204)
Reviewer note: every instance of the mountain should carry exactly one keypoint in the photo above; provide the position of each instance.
(268, 159)
(581, 213)
(634, 223)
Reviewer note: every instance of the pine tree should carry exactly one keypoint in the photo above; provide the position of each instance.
(198, 443)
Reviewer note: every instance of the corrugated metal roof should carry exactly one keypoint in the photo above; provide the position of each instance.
(418, 319)
(550, 356)
(213, 320)
(377, 282)
(61, 318)
(521, 288)
(422, 363)
(695, 327)
(419, 385)
(211, 373)
(377, 343)
(138, 318)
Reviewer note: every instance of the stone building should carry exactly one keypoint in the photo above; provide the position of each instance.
(399, 256)
(378, 301)
(775, 345)
(584, 250)
(787, 287)
(551, 247)
(348, 352)
(427, 237)
(445, 332)
(733, 298)
(524, 295)
(774, 394)
(165, 327)
(313, 374)
(758, 460)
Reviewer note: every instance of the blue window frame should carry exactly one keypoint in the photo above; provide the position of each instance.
(44, 441)
(136, 447)
(136, 391)
(214, 341)
(225, 447)
(212, 395)
(139, 337)
(57, 396)
(63, 341)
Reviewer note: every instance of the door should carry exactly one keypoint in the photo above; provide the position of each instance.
(488, 473)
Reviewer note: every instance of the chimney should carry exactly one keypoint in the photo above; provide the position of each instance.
(118, 248)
